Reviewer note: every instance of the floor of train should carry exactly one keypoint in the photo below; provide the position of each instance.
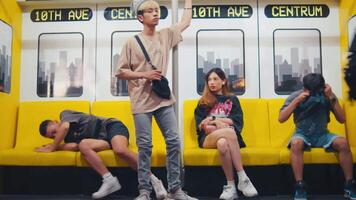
(325, 182)
(81, 197)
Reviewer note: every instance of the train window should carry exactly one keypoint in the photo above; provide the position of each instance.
(223, 48)
(5, 56)
(296, 53)
(118, 38)
(60, 65)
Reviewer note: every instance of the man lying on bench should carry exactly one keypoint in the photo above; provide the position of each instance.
(90, 134)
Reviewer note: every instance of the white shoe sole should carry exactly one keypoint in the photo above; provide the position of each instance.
(250, 195)
(111, 190)
(232, 198)
(299, 199)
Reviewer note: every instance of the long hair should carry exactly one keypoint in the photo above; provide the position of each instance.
(208, 99)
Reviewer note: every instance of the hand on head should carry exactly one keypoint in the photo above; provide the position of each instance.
(328, 91)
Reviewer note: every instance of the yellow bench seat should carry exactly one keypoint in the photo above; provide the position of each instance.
(251, 156)
(314, 156)
(28, 157)
(282, 132)
(31, 114)
(110, 159)
(255, 134)
(121, 110)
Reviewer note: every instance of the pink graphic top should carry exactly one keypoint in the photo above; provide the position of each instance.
(221, 109)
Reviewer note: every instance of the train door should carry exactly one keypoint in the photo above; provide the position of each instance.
(221, 35)
(58, 52)
(225, 35)
(297, 39)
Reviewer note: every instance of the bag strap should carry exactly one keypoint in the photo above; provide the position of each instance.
(144, 51)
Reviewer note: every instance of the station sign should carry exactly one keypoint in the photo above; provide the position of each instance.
(124, 13)
(221, 11)
(61, 15)
(297, 11)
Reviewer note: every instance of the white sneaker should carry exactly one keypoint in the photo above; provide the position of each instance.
(109, 186)
(161, 192)
(180, 195)
(144, 195)
(229, 193)
(247, 188)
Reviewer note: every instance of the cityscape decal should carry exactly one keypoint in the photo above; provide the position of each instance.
(297, 52)
(5, 57)
(60, 65)
(222, 49)
(119, 87)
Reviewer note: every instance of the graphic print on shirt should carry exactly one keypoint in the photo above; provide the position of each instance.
(221, 109)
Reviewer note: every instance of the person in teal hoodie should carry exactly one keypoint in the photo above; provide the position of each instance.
(311, 108)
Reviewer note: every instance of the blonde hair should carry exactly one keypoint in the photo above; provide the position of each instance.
(148, 4)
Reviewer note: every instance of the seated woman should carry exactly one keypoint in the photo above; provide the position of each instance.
(219, 123)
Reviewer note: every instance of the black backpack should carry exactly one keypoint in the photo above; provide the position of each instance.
(350, 71)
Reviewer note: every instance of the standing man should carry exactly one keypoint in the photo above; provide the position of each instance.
(134, 67)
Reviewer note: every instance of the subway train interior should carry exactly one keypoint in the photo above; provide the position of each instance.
(60, 55)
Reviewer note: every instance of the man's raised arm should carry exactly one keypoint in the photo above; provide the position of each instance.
(187, 16)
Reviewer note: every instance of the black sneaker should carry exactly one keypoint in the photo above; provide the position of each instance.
(300, 191)
(350, 190)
